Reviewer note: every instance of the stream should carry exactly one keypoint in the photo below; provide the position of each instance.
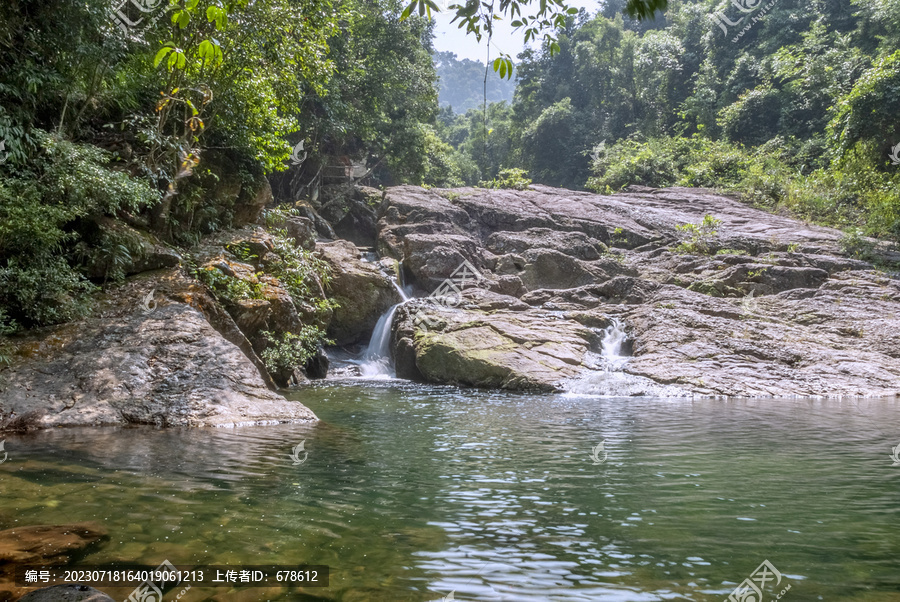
(411, 492)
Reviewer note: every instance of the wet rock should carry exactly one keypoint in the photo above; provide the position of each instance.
(502, 349)
(361, 290)
(317, 366)
(775, 309)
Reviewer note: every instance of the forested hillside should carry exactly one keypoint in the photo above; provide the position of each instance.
(171, 116)
(462, 85)
(795, 105)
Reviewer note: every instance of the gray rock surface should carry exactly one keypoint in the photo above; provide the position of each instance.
(362, 291)
(775, 309)
(140, 360)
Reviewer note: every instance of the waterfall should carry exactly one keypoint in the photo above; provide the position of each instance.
(376, 360)
(611, 347)
(604, 373)
(402, 293)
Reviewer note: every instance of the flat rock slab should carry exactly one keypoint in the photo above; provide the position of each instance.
(779, 312)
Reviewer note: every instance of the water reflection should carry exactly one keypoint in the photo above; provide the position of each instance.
(412, 492)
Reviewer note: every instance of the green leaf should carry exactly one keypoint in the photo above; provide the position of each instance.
(161, 55)
(516, 24)
(572, 11)
(408, 11)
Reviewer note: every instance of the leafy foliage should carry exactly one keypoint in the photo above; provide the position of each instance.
(286, 352)
(41, 208)
(696, 239)
(515, 179)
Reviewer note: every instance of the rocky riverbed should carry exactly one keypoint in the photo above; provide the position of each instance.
(765, 306)
(771, 307)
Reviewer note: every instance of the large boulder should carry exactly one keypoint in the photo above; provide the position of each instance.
(361, 290)
(149, 355)
(508, 351)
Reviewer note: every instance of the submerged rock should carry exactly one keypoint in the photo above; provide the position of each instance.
(774, 310)
(46, 545)
(69, 592)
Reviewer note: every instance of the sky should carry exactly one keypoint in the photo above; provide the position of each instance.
(448, 38)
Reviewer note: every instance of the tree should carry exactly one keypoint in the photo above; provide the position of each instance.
(478, 18)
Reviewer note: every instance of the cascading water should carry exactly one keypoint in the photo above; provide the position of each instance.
(376, 360)
(605, 375)
(611, 347)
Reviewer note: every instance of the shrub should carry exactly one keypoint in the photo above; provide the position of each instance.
(515, 179)
(696, 239)
(290, 350)
(41, 209)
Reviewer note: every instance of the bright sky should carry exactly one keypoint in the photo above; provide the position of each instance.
(448, 38)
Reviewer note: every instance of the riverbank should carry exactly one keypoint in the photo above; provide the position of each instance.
(515, 290)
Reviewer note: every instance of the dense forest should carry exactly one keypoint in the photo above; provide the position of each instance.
(463, 86)
(792, 104)
(147, 111)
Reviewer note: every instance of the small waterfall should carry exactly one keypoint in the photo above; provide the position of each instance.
(611, 347)
(376, 360)
(402, 293)
(605, 375)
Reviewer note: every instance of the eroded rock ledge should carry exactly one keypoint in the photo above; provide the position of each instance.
(162, 363)
(774, 309)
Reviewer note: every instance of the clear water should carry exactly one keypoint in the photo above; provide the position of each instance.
(411, 492)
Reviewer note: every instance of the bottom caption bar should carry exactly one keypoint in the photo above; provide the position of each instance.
(168, 575)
